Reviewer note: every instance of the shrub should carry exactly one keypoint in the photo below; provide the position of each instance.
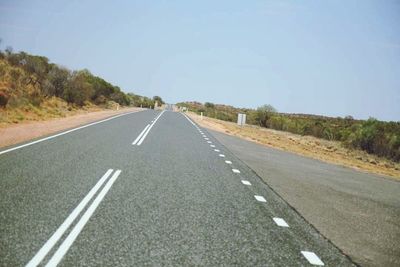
(3, 99)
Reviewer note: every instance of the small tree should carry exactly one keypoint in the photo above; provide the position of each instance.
(209, 105)
(264, 114)
(158, 99)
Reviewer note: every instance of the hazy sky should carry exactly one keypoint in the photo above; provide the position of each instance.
(333, 58)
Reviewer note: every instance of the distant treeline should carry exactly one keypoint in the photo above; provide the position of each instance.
(373, 136)
(29, 79)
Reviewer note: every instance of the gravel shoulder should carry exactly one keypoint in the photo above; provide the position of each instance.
(14, 134)
(328, 151)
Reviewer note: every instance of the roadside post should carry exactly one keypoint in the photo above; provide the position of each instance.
(241, 119)
(201, 115)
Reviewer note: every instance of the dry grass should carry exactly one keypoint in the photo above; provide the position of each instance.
(50, 108)
(328, 151)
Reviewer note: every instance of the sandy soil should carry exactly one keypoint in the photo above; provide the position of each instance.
(327, 151)
(13, 134)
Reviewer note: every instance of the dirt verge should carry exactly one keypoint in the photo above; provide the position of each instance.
(327, 151)
(13, 134)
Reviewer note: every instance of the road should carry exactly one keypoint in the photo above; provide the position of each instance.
(359, 212)
(148, 188)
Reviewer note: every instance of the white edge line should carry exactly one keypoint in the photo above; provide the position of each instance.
(41, 254)
(66, 132)
(64, 247)
(140, 135)
(189, 119)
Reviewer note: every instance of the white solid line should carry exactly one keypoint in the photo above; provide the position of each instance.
(228, 162)
(66, 132)
(216, 150)
(222, 155)
(189, 119)
(312, 258)
(148, 129)
(212, 145)
(280, 222)
(140, 135)
(260, 198)
(64, 247)
(64, 226)
(235, 170)
(246, 182)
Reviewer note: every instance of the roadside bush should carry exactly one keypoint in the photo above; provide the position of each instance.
(3, 99)
(373, 136)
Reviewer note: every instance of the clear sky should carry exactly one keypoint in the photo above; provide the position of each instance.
(333, 58)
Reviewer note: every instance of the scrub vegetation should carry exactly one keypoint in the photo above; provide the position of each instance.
(375, 137)
(32, 88)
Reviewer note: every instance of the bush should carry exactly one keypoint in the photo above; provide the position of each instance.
(373, 136)
(3, 99)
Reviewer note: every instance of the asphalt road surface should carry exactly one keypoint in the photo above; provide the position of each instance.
(148, 188)
(358, 212)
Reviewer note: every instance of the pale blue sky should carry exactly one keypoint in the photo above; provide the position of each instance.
(332, 58)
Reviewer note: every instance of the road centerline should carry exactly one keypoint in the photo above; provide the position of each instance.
(41, 254)
(148, 129)
(64, 247)
(141, 134)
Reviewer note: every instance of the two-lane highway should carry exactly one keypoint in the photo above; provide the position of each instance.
(148, 188)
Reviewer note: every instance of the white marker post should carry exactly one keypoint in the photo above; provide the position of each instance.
(241, 119)
(201, 115)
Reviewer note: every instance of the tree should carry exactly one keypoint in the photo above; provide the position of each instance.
(158, 99)
(79, 89)
(56, 82)
(209, 105)
(264, 114)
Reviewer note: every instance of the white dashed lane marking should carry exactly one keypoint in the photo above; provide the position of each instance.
(260, 198)
(246, 182)
(280, 222)
(312, 258)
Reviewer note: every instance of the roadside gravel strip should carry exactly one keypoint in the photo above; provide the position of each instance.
(25, 131)
(62, 133)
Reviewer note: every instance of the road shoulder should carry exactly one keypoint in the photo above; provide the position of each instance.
(358, 212)
(15, 134)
